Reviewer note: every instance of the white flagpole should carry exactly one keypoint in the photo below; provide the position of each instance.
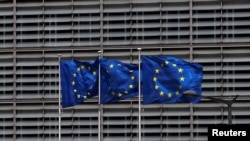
(99, 98)
(139, 91)
(59, 101)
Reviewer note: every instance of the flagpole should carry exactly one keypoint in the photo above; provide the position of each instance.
(59, 101)
(99, 97)
(139, 91)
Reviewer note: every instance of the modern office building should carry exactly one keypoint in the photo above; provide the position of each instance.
(214, 33)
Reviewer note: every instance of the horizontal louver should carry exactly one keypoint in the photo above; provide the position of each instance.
(34, 35)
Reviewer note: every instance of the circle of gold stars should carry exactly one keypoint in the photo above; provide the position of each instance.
(181, 79)
(129, 87)
(75, 74)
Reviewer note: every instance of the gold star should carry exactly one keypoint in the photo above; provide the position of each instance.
(156, 87)
(157, 71)
(131, 86)
(174, 65)
(111, 66)
(82, 66)
(182, 78)
(133, 77)
(75, 90)
(180, 87)
(85, 97)
(166, 62)
(154, 79)
(119, 65)
(169, 95)
(94, 72)
(177, 92)
(78, 96)
(74, 74)
(78, 69)
(119, 94)
(161, 93)
(126, 92)
(180, 70)
(73, 82)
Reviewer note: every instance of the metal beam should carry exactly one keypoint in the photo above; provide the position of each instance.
(228, 102)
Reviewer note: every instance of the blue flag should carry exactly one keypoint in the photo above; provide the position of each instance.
(78, 81)
(118, 81)
(166, 78)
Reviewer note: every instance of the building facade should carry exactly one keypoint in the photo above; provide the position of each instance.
(214, 33)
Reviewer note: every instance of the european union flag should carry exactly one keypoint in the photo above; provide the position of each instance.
(78, 81)
(118, 81)
(166, 78)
